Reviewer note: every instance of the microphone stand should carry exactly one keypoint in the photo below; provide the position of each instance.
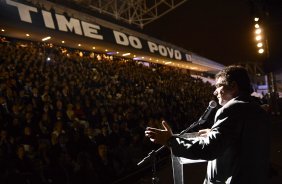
(152, 155)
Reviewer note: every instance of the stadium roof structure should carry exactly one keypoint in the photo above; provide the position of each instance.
(136, 12)
(42, 19)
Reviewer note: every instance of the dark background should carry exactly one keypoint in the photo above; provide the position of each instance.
(223, 30)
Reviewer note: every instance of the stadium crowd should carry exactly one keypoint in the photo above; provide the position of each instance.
(68, 118)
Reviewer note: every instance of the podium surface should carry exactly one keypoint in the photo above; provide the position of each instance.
(188, 171)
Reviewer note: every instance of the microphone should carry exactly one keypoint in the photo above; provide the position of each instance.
(204, 117)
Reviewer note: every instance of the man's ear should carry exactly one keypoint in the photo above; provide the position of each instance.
(234, 87)
(233, 84)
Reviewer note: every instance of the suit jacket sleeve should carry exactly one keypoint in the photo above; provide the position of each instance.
(225, 132)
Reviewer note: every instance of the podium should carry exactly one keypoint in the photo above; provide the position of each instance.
(187, 171)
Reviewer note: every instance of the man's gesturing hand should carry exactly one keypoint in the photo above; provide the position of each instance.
(159, 136)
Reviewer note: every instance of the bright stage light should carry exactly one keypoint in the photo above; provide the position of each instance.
(261, 51)
(258, 37)
(258, 31)
(259, 44)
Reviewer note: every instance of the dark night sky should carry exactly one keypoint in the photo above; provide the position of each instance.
(221, 30)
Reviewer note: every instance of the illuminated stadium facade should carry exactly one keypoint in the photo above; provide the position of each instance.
(64, 26)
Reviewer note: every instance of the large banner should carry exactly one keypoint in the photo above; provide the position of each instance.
(23, 13)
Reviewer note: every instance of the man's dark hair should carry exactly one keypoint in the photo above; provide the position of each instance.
(236, 74)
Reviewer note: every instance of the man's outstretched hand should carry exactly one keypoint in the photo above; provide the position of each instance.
(159, 136)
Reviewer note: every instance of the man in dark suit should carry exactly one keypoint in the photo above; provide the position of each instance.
(237, 146)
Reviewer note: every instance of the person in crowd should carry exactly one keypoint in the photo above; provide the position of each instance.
(6, 145)
(85, 172)
(107, 165)
(21, 167)
(237, 146)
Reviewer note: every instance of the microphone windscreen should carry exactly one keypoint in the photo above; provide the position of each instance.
(212, 104)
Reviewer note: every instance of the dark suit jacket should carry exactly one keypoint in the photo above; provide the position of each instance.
(237, 148)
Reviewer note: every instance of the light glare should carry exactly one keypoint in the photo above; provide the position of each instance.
(258, 37)
(259, 44)
(258, 31)
(126, 54)
(261, 51)
(46, 38)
